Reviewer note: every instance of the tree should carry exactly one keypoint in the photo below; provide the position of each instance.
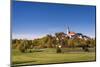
(15, 43)
(92, 43)
(49, 41)
(23, 46)
(84, 45)
(71, 43)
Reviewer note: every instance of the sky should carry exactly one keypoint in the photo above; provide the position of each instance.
(34, 19)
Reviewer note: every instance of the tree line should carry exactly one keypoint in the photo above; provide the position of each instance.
(50, 41)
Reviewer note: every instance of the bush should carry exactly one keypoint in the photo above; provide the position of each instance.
(85, 49)
(22, 48)
(58, 50)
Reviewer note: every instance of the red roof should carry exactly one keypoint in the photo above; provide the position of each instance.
(72, 33)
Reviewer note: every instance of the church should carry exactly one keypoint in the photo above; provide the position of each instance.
(72, 35)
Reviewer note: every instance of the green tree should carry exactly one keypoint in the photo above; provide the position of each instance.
(23, 46)
(49, 41)
(93, 43)
(71, 43)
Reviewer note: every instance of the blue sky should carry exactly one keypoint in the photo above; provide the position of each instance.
(32, 20)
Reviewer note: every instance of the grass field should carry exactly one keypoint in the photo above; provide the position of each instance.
(49, 55)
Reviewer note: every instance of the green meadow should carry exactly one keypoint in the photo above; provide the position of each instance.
(49, 56)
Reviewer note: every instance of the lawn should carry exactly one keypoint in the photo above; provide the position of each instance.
(49, 55)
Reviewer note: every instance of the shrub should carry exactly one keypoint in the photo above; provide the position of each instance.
(22, 49)
(58, 49)
(85, 48)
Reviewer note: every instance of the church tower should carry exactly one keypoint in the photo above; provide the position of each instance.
(68, 31)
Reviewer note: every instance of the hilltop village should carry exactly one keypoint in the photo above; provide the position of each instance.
(72, 35)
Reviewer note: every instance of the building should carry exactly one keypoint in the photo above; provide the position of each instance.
(72, 34)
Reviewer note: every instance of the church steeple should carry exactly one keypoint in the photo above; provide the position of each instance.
(68, 31)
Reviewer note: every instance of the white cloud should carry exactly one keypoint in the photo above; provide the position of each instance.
(26, 36)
